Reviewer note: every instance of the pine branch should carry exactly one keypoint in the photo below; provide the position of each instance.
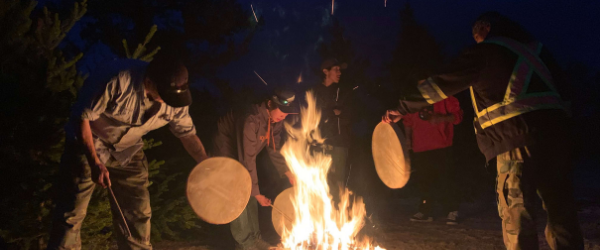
(127, 53)
(148, 57)
(141, 48)
(77, 13)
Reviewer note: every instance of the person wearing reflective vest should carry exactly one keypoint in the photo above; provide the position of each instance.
(521, 120)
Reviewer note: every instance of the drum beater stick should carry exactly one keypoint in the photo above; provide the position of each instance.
(281, 212)
(120, 211)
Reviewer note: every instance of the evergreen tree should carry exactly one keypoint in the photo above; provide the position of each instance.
(340, 47)
(417, 54)
(207, 34)
(39, 85)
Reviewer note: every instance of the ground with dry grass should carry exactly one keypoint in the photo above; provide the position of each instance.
(480, 230)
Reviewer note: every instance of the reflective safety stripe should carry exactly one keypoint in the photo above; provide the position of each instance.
(431, 91)
(516, 100)
(502, 113)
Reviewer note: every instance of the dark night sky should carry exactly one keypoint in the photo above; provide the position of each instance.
(286, 45)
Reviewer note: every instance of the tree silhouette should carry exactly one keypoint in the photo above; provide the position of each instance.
(207, 34)
(417, 53)
(340, 47)
(39, 85)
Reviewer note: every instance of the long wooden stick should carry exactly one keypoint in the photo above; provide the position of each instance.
(281, 212)
(120, 211)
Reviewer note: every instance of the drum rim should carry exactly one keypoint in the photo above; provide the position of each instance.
(402, 139)
(274, 211)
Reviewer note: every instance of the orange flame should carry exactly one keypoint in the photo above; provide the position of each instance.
(317, 223)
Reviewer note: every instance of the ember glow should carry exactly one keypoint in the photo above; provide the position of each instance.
(256, 18)
(317, 224)
(332, 6)
(260, 78)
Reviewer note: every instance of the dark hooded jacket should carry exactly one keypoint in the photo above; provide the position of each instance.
(335, 128)
(486, 69)
(243, 135)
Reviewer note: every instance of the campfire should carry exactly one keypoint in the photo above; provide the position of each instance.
(318, 223)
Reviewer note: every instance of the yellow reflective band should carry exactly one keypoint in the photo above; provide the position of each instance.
(520, 112)
(437, 88)
(513, 78)
(426, 96)
(485, 111)
(473, 100)
(430, 91)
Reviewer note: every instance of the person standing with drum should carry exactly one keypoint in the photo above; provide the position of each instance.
(429, 134)
(120, 102)
(521, 121)
(242, 135)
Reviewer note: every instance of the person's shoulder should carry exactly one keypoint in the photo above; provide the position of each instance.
(115, 66)
(249, 113)
(123, 70)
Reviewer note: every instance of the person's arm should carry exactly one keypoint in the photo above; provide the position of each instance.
(92, 101)
(194, 147)
(276, 157)
(99, 172)
(453, 107)
(183, 128)
(454, 114)
(250, 145)
(454, 78)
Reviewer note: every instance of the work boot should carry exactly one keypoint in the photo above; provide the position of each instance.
(239, 247)
(452, 218)
(260, 244)
(421, 217)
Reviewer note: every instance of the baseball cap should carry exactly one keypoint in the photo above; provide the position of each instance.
(330, 62)
(284, 99)
(171, 79)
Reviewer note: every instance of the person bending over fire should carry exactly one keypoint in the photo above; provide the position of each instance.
(120, 102)
(242, 135)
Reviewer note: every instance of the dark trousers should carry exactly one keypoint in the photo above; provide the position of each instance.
(544, 170)
(337, 175)
(245, 228)
(75, 188)
(436, 180)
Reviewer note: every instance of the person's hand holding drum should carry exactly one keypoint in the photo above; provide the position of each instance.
(391, 115)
